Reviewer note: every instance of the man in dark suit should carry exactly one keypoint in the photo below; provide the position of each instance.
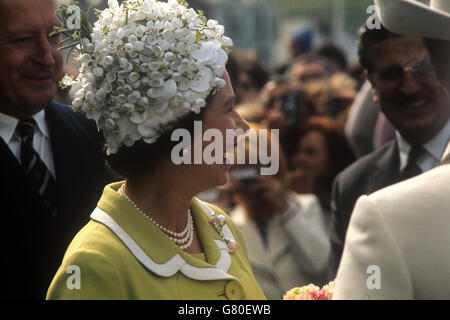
(51, 167)
(414, 101)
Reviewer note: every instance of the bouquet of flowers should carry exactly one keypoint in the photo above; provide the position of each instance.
(311, 292)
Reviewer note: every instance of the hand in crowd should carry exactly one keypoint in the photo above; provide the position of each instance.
(273, 191)
(275, 118)
(300, 181)
(269, 189)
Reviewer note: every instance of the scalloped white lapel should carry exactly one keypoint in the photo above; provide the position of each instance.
(176, 263)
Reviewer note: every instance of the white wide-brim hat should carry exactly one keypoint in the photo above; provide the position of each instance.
(413, 18)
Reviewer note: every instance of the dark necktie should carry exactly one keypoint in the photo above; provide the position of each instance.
(412, 169)
(35, 168)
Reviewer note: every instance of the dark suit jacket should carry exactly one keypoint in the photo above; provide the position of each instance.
(369, 174)
(33, 243)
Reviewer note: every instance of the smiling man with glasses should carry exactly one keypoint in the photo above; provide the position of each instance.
(401, 231)
(412, 98)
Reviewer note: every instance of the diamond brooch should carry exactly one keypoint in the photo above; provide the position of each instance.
(218, 221)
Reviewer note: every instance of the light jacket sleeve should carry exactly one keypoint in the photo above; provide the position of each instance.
(305, 226)
(372, 265)
(85, 275)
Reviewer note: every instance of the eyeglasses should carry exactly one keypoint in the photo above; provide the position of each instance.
(419, 66)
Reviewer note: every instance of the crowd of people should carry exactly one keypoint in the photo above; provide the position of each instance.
(308, 101)
(345, 132)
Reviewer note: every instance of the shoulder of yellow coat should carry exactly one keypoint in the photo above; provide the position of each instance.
(86, 272)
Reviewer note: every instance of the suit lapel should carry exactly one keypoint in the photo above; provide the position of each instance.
(15, 188)
(386, 169)
(71, 148)
(8, 161)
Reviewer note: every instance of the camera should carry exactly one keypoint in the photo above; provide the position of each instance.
(246, 177)
(292, 104)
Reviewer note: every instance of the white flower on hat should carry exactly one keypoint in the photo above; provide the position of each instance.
(145, 65)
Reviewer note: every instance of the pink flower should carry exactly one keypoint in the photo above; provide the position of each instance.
(310, 292)
(319, 295)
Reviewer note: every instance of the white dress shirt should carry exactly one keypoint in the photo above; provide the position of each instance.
(41, 138)
(434, 149)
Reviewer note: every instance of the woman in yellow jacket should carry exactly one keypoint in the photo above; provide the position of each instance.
(149, 237)
(120, 254)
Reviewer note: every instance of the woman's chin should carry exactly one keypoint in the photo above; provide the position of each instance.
(222, 175)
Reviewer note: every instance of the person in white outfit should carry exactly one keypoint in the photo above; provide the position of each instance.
(286, 233)
(397, 241)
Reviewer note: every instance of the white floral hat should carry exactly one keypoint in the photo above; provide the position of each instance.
(144, 65)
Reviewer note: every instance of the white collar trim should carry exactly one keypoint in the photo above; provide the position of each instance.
(176, 263)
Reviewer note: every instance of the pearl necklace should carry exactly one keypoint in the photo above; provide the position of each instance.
(183, 239)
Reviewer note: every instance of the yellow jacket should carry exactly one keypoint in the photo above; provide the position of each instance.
(119, 254)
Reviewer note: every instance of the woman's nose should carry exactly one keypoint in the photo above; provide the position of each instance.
(241, 123)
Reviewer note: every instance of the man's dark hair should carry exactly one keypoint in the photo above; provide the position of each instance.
(256, 71)
(367, 39)
(310, 58)
(248, 63)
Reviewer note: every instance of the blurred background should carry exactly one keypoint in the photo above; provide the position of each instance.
(294, 67)
(266, 26)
